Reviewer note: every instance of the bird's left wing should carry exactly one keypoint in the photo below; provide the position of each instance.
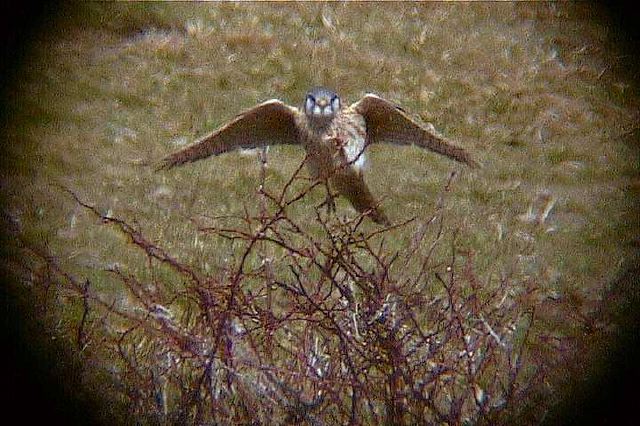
(387, 123)
(269, 123)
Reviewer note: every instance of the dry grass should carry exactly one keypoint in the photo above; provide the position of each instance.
(536, 91)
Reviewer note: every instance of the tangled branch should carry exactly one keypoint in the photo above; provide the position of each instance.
(331, 328)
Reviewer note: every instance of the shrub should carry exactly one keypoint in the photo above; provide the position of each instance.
(316, 323)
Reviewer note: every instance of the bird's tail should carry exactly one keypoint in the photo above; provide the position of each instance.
(353, 187)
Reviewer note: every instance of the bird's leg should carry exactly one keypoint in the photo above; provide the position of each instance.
(329, 201)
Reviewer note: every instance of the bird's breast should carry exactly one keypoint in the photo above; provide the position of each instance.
(350, 129)
(338, 145)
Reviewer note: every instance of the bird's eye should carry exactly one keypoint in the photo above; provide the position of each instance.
(310, 103)
(335, 103)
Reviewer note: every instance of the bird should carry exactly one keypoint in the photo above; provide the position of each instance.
(334, 138)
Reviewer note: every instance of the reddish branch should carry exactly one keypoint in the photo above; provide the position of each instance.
(331, 327)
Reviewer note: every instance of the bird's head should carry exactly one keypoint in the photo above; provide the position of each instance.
(321, 104)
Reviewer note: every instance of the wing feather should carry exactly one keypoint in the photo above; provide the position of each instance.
(269, 123)
(388, 123)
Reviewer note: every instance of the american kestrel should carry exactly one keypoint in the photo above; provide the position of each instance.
(335, 139)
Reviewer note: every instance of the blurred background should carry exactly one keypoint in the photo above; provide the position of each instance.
(543, 95)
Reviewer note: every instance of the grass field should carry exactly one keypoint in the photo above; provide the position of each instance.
(536, 92)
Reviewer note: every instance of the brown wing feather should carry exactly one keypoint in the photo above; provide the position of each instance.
(270, 123)
(387, 123)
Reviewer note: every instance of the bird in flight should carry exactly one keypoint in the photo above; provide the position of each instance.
(334, 138)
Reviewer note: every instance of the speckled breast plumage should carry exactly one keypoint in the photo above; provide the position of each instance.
(336, 146)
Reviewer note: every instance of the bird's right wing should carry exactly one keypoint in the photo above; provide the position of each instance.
(269, 123)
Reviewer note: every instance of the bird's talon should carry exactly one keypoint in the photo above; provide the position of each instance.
(329, 203)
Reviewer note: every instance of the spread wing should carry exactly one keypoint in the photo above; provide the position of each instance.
(387, 123)
(270, 123)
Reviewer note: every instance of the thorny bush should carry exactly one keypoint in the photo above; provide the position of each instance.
(313, 327)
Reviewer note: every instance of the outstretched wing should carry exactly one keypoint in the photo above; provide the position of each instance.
(387, 123)
(270, 123)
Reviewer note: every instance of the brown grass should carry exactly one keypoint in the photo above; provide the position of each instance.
(538, 92)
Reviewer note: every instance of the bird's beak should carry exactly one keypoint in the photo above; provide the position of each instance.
(322, 102)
